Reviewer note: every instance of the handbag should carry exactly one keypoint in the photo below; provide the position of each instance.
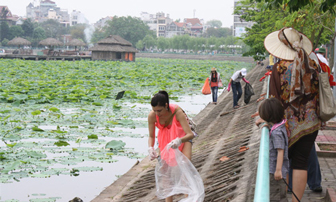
(326, 98)
(206, 87)
(220, 84)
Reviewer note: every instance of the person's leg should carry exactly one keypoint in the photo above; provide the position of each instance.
(299, 154)
(215, 94)
(239, 90)
(314, 172)
(234, 91)
(290, 176)
(299, 183)
(187, 150)
(169, 199)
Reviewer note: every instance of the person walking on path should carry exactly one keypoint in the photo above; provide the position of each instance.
(272, 112)
(236, 86)
(294, 82)
(173, 127)
(214, 81)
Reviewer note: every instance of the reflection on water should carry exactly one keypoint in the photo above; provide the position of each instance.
(89, 184)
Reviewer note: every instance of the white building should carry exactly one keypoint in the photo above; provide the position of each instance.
(158, 22)
(239, 24)
(76, 17)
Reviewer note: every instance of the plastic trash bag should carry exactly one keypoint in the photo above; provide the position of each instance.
(206, 87)
(175, 174)
(248, 93)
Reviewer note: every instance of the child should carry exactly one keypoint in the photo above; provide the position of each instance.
(271, 111)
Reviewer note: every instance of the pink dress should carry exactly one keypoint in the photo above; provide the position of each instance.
(171, 132)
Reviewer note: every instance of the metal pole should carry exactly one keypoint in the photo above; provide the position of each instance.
(334, 66)
(262, 188)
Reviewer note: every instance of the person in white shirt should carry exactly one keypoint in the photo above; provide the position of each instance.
(236, 87)
(320, 52)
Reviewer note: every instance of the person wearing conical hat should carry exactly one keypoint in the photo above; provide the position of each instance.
(294, 82)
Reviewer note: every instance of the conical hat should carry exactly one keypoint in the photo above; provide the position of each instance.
(278, 49)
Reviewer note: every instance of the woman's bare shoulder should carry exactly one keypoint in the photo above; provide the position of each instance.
(151, 115)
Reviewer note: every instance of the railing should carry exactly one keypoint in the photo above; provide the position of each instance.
(262, 188)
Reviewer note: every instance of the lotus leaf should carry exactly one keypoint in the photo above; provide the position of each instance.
(115, 145)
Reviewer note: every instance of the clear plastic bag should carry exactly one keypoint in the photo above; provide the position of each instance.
(175, 174)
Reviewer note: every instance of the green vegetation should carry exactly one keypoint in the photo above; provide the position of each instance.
(308, 17)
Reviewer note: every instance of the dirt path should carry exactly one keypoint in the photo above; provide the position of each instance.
(195, 57)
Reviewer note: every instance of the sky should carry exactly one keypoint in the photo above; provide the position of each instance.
(177, 9)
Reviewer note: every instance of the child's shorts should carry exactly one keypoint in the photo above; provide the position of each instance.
(277, 190)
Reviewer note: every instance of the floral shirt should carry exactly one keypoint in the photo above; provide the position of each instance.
(302, 113)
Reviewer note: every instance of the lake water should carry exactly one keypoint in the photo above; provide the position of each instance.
(89, 184)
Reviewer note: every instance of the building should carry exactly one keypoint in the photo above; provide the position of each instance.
(113, 48)
(6, 15)
(193, 27)
(102, 22)
(157, 23)
(47, 10)
(76, 17)
(239, 24)
(174, 29)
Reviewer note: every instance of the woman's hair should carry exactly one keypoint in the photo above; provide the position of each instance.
(214, 76)
(271, 110)
(160, 99)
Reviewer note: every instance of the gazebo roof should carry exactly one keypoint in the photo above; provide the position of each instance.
(50, 42)
(19, 41)
(76, 42)
(115, 39)
(113, 48)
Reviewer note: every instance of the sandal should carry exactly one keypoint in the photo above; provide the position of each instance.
(236, 107)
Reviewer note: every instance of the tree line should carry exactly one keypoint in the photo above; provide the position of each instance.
(35, 32)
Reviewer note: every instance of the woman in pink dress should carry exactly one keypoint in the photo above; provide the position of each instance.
(173, 127)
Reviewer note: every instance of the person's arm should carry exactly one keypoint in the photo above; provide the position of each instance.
(180, 117)
(246, 81)
(151, 138)
(278, 173)
(229, 85)
(151, 129)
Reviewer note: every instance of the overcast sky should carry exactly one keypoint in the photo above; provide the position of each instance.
(177, 9)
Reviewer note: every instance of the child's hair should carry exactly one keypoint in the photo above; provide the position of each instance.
(271, 110)
(160, 99)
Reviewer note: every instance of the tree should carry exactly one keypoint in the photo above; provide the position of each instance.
(38, 35)
(53, 28)
(4, 30)
(149, 41)
(162, 43)
(308, 20)
(218, 32)
(77, 32)
(28, 27)
(214, 23)
(15, 31)
(140, 45)
(129, 28)
(295, 5)
(97, 35)
(4, 42)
